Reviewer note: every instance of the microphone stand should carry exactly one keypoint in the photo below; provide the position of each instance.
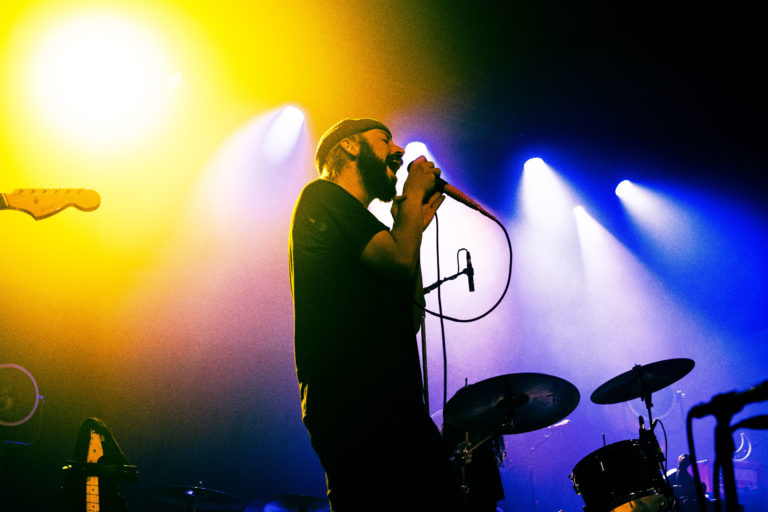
(724, 449)
(724, 407)
(439, 282)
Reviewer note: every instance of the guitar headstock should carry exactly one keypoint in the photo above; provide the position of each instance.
(44, 202)
(95, 449)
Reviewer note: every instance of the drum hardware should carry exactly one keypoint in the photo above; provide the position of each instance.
(630, 475)
(511, 404)
(462, 456)
(506, 404)
(641, 381)
(621, 477)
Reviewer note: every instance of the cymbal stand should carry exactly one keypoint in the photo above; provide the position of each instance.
(463, 453)
(648, 437)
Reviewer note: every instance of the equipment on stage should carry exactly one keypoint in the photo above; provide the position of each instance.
(484, 411)
(195, 497)
(291, 503)
(641, 381)
(621, 476)
(629, 475)
(511, 404)
(19, 396)
(44, 202)
(724, 407)
(21, 407)
(93, 474)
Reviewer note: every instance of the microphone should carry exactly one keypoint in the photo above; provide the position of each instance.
(446, 188)
(731, 402)
(470, 273)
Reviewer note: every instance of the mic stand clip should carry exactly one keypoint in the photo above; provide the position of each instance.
(439, 282)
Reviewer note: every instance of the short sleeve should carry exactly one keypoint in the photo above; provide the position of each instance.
(328, 219)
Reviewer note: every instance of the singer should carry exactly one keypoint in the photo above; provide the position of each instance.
(353, 282)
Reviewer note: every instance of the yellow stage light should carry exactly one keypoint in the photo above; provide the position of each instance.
(100, 79)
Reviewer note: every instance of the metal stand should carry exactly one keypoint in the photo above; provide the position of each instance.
(441, 281)
(424, 371)
(724, 449)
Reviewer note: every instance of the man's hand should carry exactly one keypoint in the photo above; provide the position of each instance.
(422, 176)
(395, 253)
(430, 207)
(428, 210)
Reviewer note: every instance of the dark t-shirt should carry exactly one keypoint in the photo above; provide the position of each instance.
(356, 355)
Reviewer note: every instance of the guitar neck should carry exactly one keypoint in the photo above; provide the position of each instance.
(44, 202)
(92, 494)
(95, 451)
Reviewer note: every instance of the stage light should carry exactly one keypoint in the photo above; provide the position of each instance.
(626, 301)
(283, 134)
(624, 188)
(100, 79)
(545, 197)
(662, 218)
(533, 165)
(415, 149)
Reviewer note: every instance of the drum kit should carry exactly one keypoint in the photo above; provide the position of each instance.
(619, 477)
(625, 476)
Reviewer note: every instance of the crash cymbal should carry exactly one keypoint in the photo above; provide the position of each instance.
(199, 498)
(297, 503)
(511, 404)
(642, 380)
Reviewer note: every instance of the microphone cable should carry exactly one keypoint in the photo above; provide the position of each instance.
(443, 317)
(439, 313)
(442, 321)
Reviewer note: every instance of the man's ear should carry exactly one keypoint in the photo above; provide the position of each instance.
(350, 147)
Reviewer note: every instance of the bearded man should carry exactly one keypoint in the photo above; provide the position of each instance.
(353, 282)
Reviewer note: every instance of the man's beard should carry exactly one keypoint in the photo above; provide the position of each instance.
(373, 171)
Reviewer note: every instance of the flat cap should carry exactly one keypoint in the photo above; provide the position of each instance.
(341, 130)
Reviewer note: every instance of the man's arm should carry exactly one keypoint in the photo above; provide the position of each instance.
(395, 253)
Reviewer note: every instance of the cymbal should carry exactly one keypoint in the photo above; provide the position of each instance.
(511, 404)
(297, 503)
(642, 380)
(200, 497)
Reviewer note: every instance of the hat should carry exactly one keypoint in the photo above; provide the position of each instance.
(340, 131)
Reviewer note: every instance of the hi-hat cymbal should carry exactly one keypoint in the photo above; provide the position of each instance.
(199, 498)
(642, 380)
(511, 404)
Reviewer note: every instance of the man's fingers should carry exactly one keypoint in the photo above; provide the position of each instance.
(416, 160)
(436, 200)
(430, 208)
